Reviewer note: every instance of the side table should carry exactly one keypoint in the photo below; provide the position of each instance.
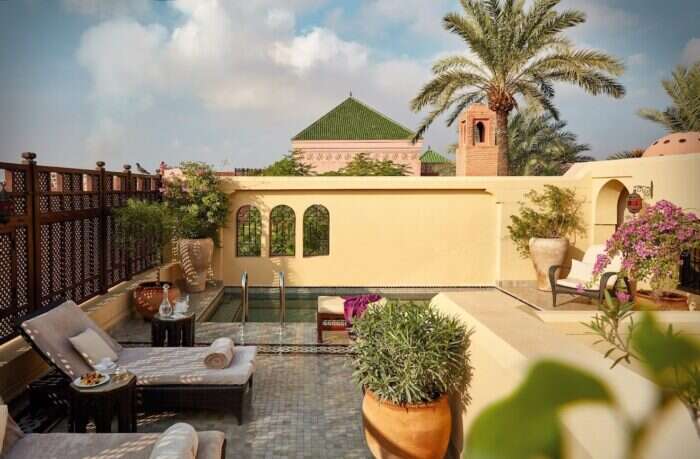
(102, 402)
(179, 331)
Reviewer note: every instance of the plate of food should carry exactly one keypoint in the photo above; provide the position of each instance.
(92, 379)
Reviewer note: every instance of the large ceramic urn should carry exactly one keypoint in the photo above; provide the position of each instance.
(547, 252)
(406, 432)
(195, 260)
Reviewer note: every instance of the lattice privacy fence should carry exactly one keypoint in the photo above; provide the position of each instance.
(61, 240)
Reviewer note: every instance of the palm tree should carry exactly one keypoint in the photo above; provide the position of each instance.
(516, 53)
(627, 154)
(541, 145)
(684, 90)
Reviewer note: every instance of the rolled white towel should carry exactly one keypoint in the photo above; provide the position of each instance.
(219, 354)
(178, 441)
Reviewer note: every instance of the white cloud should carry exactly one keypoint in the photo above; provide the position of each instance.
(319, 46)
(123, 57)
(419, 16)
(280, 18)
(691, 52)
(227, 67)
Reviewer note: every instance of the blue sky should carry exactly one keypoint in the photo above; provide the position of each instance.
(230, 82)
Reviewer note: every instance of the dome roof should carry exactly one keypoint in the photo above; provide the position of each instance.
(678, 143)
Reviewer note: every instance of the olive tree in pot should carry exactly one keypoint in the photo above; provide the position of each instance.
(147, 226)
(543, 226)
(201, 209)
(409, 358)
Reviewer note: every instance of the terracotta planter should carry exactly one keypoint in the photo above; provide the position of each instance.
(149, 295)
(411, 432)
(195, 259)
(645, 299)
(546, 252)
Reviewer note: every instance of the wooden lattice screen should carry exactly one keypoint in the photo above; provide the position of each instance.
(60, 240)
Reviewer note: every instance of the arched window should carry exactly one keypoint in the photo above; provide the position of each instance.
(479, 133)
(316, 231)
(248, 230)
(282, 223)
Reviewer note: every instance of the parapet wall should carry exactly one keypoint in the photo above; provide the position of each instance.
(433, 231)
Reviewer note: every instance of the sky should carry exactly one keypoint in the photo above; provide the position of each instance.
(230, 82)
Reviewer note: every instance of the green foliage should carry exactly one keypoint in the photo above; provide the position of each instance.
(671, 359)
(526, 424)
(554, 213)
(289, 166)
(410, 353)
(363, 165)
(541, 145)
(316, 231)
(282, 231)
(249, 231)
(627, 154)
(198, 204)
(140, 221)
(516, 52)
(608, 326)
(684, 90)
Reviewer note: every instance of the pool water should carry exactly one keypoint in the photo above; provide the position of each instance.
(300, 307)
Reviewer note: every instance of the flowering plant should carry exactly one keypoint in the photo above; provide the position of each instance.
(651, 245)
(193, 194)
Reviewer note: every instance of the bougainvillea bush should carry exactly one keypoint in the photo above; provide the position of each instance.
(651, 245)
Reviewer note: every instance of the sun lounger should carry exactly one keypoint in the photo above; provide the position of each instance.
(168, 378)
(330, 315)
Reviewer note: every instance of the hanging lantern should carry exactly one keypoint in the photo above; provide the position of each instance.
(5, 205)
(634, 203)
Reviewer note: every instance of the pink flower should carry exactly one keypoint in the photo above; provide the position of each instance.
(579, 288)
(623, 297)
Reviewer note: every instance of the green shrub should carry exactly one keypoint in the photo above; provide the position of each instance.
(410, 353)
(145, 224)
(200, 207)
(553, 213)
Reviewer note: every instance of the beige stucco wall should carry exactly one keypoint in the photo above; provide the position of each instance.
(509, 338)
(331, 155)
(433, 231)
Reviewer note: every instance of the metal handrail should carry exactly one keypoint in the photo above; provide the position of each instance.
(283, 304)
(244, 296)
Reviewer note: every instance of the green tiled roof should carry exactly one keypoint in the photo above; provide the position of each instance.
(353, 120)
(433, 157)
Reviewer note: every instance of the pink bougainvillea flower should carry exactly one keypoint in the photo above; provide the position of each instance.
(623, 297)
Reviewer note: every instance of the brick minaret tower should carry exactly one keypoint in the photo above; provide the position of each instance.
(477, 153)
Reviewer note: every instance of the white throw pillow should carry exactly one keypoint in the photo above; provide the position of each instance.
(92, 347)
(178, 441)
(580, 271)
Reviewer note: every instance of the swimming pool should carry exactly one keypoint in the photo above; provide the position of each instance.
(264, 304)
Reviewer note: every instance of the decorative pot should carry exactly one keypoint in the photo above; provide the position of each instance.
(195, 259)
(645, 299)
(407, 432)
(545, 253)
(149, 295)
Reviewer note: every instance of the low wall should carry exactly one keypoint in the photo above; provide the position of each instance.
(509, 337)
(434, 231)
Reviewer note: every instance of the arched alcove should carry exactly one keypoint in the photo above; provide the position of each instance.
(610, 208)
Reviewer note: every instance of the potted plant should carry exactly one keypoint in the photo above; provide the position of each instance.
(200, 208)
(408, 358)
(147, 226)
(651, 246)
(542, 228)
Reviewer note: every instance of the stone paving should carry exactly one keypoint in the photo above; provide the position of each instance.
(302, 406)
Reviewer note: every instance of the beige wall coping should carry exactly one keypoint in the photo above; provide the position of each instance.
(509, 334)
